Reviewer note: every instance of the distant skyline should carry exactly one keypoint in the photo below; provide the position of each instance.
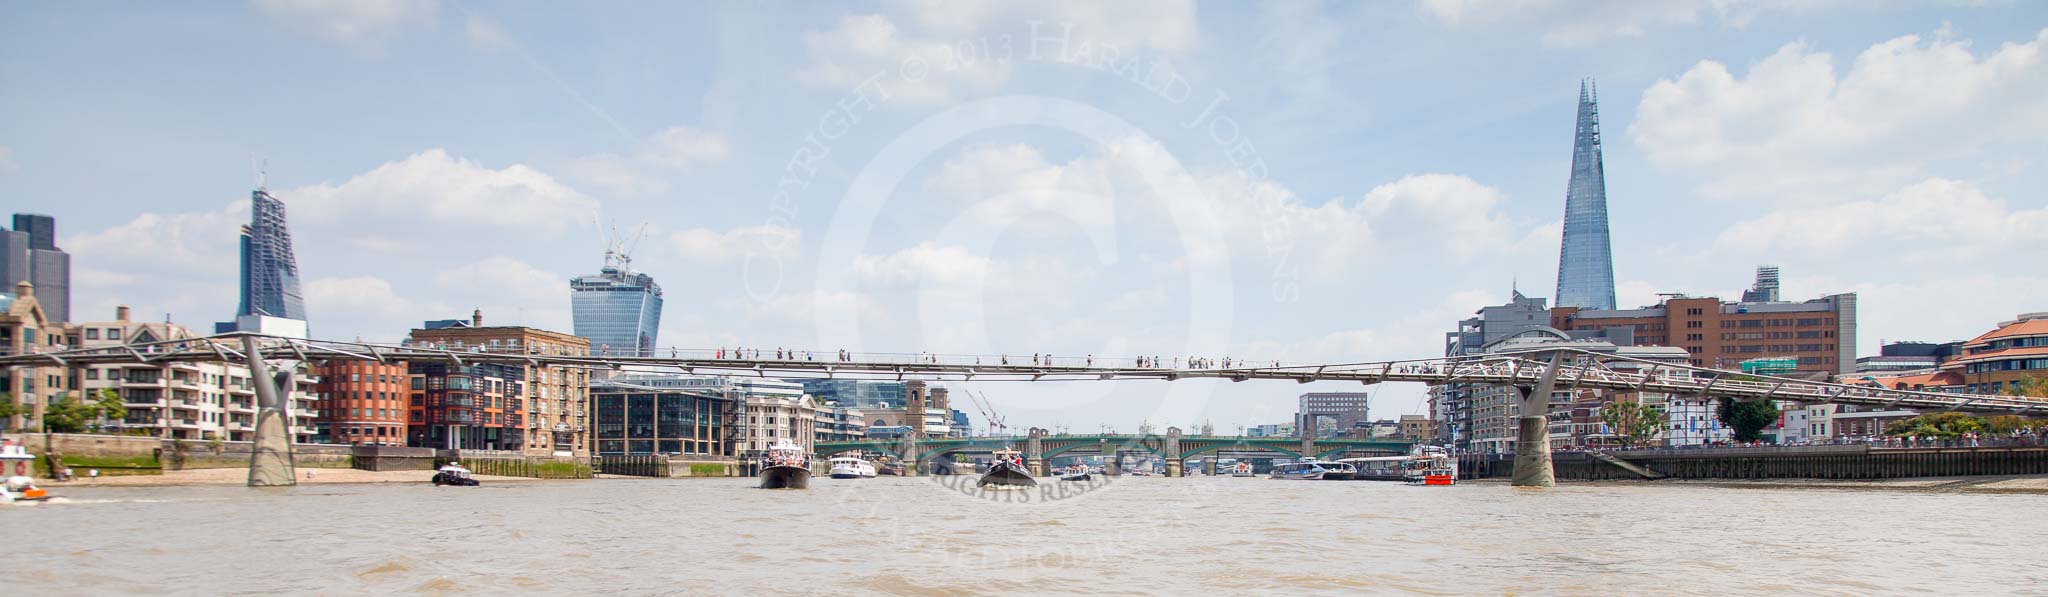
(1308, 182)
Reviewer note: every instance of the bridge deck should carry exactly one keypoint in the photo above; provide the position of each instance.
(1584, 369)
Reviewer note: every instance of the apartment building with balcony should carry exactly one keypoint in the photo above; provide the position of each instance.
(191, 400)
(535, 410)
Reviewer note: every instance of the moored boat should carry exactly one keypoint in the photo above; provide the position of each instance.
(1380, 468)
(850, 467)
(455, 476)
(1335, 471)
(1298, 471)
(1077, 473)
(1007, 471)
(785, 466)
(1242, 469)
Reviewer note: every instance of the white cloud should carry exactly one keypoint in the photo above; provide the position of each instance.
(361, 23)
(1795, 128)
(487, 36)
(923, 263)
(358, 298)
(440, 188)
(1429, 207)
(509, 291)
(1572, 23)
(863, 46)
(1936, 217)
(7, 165)
(705, 244)
(1161, 25)
(182, 244)
(682, 147)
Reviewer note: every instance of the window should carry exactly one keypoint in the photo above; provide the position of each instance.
(92, 333)
(1694, 325)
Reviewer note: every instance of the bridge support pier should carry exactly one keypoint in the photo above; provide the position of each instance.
(270, 462)
(1209, 466)
(1533, 466)
(1113, 464)
(1035, 465)
(1176, 467)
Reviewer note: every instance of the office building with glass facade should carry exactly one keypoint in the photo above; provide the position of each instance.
(618, 310)
(1585, 263)
(644, 416)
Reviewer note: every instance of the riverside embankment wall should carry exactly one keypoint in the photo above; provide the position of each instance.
(1799, 462)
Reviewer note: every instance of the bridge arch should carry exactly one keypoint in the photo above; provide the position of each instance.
(1247, 447)
(828, 451)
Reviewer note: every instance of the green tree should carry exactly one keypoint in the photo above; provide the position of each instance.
(70, 415)
(9, 408)
(1633, 423)
(111, 408)
(1944, 425)
(1747, 419)
(2032, 387)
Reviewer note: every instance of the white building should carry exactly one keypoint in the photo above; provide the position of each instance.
(198, 400)
(769, 409)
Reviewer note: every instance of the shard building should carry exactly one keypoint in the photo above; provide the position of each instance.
(617, 309)
(1585, 262)
(270, 275)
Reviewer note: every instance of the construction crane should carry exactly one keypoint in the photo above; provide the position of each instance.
(988, 412)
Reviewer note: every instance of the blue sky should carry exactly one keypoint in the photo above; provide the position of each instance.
(952, 180)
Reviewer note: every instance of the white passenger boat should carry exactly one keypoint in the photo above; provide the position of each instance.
(1298, 471)
(785, 466)
(1242, 469)
(1333, 471)
(849, 467)
(1379, 468)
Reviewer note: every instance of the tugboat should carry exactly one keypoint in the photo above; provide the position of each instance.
(1007, 471)
(454, 475)
(786, 466)
(852, 467)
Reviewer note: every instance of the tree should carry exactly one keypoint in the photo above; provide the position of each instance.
(70, 415)
(9, 408)
(1633, 423)
(2032, 387)
(1747, 419)
(111, 407)
(1943, 425)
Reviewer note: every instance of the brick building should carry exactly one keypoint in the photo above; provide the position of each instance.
(362, 402)
(26, 328)
(540, 411)
(1996, 361)
(1820, 333)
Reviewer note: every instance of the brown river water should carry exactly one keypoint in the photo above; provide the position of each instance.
(927, 536)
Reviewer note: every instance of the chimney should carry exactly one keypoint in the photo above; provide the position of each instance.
(476, 318)
(121, 313)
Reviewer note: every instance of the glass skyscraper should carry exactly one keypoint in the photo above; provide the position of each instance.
(270, 274)
(1585, 262)
(618, 310)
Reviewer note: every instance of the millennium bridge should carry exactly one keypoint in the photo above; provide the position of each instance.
(1533, 374)
(1039, 448)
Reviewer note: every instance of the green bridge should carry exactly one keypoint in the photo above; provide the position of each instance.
(1040, 447)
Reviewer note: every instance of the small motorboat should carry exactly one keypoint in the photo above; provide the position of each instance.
(785, 466)
(454, 475)
(1432, 465)
(1007, 471)
(890, 469)
(1078, 473)
(850, 467)
(22, 489)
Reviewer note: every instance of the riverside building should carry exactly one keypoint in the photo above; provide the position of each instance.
(534, 410)
(189, 400)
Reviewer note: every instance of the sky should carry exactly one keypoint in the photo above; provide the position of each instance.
(1308, 182)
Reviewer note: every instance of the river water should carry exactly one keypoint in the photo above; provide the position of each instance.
(926, 536)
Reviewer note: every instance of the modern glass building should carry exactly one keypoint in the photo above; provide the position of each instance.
(852, 393)
(636, 419)
(618, 310)
(29, 253)
(1585, 263)
(270, 274)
